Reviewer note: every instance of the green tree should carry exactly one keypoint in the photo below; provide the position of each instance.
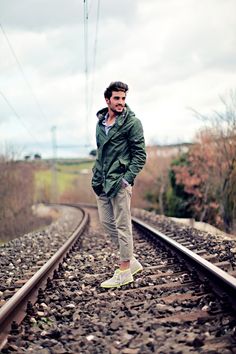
(177, 200)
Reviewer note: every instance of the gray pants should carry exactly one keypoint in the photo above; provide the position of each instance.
(115, 216)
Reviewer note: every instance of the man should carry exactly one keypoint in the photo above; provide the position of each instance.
(120, 157)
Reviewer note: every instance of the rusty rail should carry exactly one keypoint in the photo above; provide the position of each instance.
(225, 282)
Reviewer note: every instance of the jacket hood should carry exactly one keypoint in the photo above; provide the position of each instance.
(101, 114)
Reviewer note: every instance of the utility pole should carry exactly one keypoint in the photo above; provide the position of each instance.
(86, 70)
(54, 186)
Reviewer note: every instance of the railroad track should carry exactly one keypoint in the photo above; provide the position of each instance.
(176, 305)
(23, 291)
(22, 257)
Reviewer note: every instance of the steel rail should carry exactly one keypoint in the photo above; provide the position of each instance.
(221, 279)
(14, 308)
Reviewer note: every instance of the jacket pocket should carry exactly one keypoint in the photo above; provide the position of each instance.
(123, 165)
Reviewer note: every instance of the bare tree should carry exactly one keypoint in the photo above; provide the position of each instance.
(16, 194)
(223, 128)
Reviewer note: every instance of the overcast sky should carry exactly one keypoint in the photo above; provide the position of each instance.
(173, 54)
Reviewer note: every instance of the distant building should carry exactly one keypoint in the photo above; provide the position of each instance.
(170, 150)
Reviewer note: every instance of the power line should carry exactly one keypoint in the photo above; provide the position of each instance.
(19, 118)
(23, 74)
(95, 52)
(96, 36)
(86, 61)
(90, 6)
(88, 107)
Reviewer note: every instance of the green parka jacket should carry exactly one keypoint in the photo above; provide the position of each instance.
(120, 154)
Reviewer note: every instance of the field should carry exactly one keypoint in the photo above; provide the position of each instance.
(72, 181)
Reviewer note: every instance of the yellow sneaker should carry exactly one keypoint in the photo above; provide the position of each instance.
(135, 266)
(120, 277)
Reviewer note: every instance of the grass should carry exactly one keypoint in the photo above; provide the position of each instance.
(75, 168)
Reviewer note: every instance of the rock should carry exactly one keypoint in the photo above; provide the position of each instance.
(44, 306)
(59, 349)
(90, 337)
(13, 347)
(130, 351)
(198, 342)
(33, 320)
(70, 306)
(49, 343)
(205, 308)
(44, 333)
(162, 307)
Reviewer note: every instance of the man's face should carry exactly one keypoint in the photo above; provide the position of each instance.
(117, 101)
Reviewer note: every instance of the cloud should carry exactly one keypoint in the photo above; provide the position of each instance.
(173, 54)
(40, 15)
(43, 15)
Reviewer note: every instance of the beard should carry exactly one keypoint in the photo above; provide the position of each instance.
(114, 110)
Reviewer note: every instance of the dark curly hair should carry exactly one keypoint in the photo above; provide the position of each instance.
(115, 86)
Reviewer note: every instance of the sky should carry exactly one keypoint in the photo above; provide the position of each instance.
(176, 57)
